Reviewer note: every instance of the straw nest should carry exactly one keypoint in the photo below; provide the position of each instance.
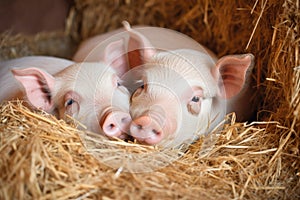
(45, 158)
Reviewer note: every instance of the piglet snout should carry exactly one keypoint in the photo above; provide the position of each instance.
(147, 129)
(116, 123)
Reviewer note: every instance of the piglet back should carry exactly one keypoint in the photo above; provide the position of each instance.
(11, 88)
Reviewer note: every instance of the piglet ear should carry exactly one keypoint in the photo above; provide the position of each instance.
(231, 72)
(139, 47)
(115, 55)
(38, 86)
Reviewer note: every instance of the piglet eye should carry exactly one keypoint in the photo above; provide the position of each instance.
(138, 91)
(69, 102)
(71, 106)
(194, 105)
(118, 84)
(194, 101)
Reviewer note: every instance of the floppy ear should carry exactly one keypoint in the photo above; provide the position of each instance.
(139, 47)
(231, 72)
(38, 86)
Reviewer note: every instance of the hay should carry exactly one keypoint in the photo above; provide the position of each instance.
(53, 44)
(45, 158)
(49, 161)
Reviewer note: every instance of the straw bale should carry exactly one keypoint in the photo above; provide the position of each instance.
(45, 158)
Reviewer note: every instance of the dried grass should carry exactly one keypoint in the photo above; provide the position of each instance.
(45, 158)
(53, 44)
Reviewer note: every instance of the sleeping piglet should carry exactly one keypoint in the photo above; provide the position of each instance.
(89, 92)
(179, 88)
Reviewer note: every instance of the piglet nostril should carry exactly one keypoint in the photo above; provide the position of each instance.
(140, 127)
(111, 126)
(155, 132)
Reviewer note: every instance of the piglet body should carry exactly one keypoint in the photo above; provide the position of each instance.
(89, 92)
(161, 38)
(10, 87)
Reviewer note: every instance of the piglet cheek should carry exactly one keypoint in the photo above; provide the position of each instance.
(72, 109)
(194, 107)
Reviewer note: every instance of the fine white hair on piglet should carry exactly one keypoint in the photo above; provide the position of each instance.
(188, 65)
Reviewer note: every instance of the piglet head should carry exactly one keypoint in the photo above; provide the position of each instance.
(172, 101)
(180, 94)
(96, 97)
(92, 93)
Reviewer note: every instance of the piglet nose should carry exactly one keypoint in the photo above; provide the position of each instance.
(116, 123)
(146, 129)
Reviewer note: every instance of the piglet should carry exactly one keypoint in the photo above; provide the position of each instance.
(89, 92)
(185, 92)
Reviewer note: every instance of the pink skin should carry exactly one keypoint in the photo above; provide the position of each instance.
(81, 90)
